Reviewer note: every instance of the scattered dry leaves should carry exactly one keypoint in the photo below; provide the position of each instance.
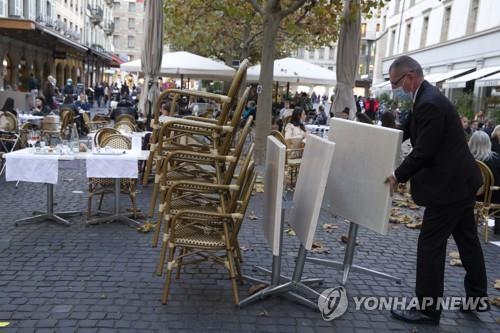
(401, 219)
(495, 301)
(263, 313)
(252, 216)
(454, 255)
(290, 232)
(318, 247)
(344, 239)
(259, 188)
(497, 284)
(329, 227)
(256, 287)
(415, 225)
(245, 249)
(4, 323)
(146, 227)
(456, 262)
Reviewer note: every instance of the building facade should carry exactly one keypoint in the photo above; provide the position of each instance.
(129, 29)
(456, 42)
(62, 38)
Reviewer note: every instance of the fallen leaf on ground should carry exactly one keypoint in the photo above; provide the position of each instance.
(256, 287)
(146, 227)
(244, 248)
(403, 219)
(416, 225)
(495, 301)
(252, 216)
(329, 227)
(68, 179)
(344, 239)
(456, 262)
(4, 323)
(454, 255)
(290, 232)
(263, 313)
(497, 284)
(318, 247)
(259, 188)
(498, 320)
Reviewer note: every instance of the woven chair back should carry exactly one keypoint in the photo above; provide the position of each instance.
(117, 141)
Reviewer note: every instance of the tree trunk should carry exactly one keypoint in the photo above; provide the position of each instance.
(264, 105)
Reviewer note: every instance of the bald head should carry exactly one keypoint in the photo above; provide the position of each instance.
(405, 64)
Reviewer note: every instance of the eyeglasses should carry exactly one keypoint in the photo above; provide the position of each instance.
(394, 84)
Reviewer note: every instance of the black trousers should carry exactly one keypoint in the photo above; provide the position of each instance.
(438, 224)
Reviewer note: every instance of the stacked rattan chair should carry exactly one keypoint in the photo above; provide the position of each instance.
(293, 157)
(203, 183)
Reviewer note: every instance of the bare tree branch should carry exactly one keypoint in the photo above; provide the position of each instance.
(256, 7)
(292, 8)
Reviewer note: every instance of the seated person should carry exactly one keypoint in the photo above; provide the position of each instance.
(321, 117)
(363, 118)
(345, 113)
(8, 106)
(480, 147)
(82, 102)
(40, 109)
(68, 103)
(164, 112)
(495, 140)
(295, 131)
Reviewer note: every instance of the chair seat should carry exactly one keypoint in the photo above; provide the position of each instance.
(201, 239)
(294, 161)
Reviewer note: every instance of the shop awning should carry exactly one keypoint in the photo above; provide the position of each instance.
(461, 81)
(489, 81)
(439, 77)
(386, 85)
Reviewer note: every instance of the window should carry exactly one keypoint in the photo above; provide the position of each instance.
(49, 9)
(361, 69)
(363, 29)
(331, 54)
(131, 42)
(393, 39)
(117, 22)
(425, 29)
(412, 3)
(397, 4)
(15, 8)
(311, 54)
(2, 7)
(363, 49)
(473, 10)
(322, 53)
(131, 7)
(116, 40)
(407, 37)
(446, 23)
(378, 27)
(131, 23)
(301, 53)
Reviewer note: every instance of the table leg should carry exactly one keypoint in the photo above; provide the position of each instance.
(50, 215)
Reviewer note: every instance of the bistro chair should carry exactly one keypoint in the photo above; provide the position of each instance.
(91, 125)
(102, 134)
(102, 186)
(293, 157)
(484, 208)
(126, 117)
(209, 235)
(125, 127)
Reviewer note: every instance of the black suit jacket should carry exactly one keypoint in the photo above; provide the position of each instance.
(441, 169)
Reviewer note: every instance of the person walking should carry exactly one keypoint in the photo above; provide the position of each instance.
(444, 178)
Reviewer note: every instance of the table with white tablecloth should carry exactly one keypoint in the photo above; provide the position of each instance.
(320, 130)
(24, 165)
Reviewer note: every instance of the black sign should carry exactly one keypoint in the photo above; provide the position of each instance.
(60, 54)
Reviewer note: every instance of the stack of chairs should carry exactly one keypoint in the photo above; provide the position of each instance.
(203, 184)
(125, 123)
(9, 137)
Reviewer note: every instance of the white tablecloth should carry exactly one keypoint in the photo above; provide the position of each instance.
(27, 117)
(24, 166)
(113, 166)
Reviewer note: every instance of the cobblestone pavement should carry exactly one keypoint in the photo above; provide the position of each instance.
(100, 278)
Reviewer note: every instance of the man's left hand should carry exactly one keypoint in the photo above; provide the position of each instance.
(393, 183)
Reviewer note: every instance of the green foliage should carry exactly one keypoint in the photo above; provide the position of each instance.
(384, 98)
(463, 104)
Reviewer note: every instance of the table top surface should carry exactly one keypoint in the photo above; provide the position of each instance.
(141, 155)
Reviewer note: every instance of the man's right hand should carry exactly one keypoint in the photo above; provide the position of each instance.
(393, 183)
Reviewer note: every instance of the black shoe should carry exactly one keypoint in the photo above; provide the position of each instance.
(415, 317)
(481, 306)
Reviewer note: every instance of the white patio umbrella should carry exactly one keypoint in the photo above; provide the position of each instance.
(296, 71)
(347, 58)
(151, 54)
(187, 64)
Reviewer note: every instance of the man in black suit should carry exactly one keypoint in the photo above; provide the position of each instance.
(444, 178)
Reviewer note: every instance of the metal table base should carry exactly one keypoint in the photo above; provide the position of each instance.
(49, 215)
(116, 216)
(347, 266)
